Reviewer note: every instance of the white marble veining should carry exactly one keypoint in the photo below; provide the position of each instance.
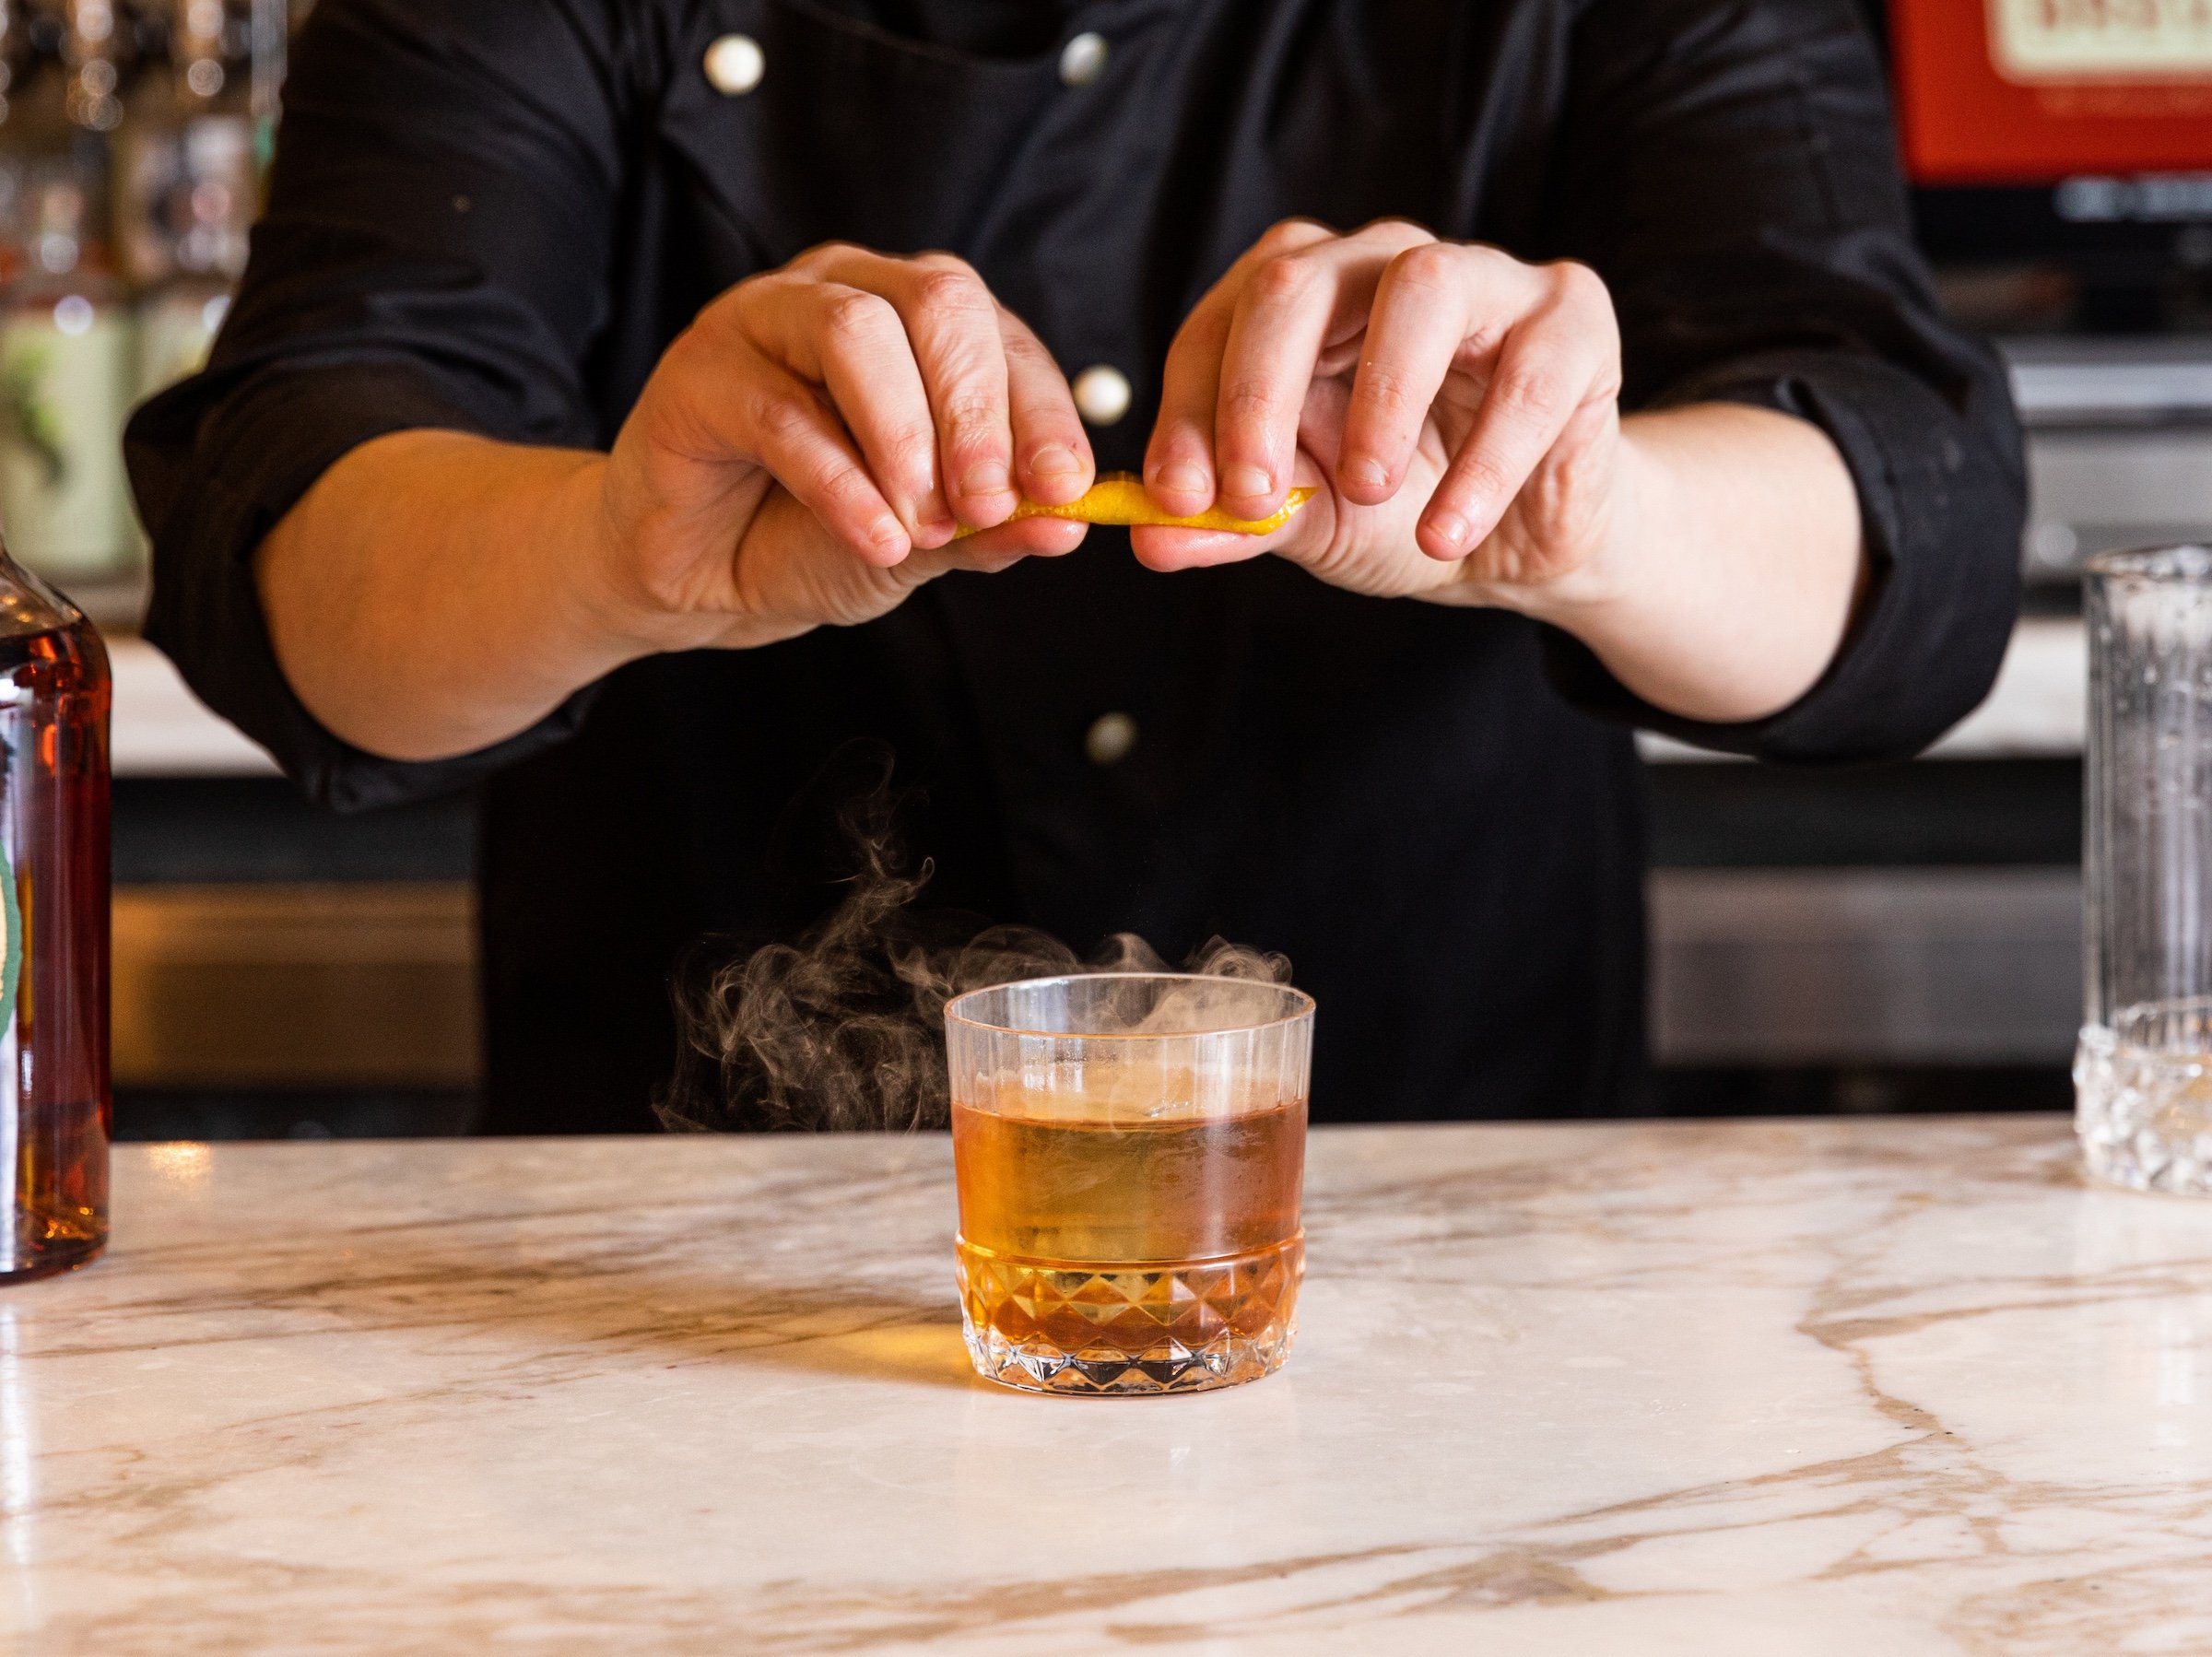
(1868, 1387)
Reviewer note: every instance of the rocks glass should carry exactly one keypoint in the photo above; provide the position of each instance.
(2143, 1070)
(1130, 1150)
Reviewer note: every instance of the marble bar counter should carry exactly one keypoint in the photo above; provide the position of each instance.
(1873, 1386)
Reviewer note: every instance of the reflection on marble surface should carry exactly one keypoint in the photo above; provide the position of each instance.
(1864, 1386)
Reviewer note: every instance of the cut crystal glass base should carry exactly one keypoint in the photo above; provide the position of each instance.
(1056, 1327)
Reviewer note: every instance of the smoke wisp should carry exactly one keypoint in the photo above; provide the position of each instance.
(846, 1030)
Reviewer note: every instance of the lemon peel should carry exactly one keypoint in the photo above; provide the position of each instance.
(1119, 497)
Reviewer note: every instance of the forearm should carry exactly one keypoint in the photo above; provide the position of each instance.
(1731, 569)
(435, 591)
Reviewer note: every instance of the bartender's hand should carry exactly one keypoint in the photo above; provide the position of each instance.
(805, 452)
(1457, 412)
(800, 458)
(1455, 409)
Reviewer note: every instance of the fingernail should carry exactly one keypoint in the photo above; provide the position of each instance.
(932, 513)
(1243, 482)
(1055, 459)
(886, 533)
(1450, 528)
(1183, 476)
(1366, 474)
(986, 477)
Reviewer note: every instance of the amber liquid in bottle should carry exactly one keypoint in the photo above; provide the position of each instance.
(54, 1099)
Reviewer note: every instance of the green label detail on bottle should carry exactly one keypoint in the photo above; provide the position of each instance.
(11, 915)
(64, 388)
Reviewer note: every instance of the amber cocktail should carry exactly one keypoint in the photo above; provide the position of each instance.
(1130, 1149)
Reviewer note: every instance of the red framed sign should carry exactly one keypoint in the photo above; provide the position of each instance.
(2029, 91)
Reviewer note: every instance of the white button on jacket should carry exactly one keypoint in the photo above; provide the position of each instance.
(736, 64)
(1102, 395)
(1109, 739)
(1082, 58)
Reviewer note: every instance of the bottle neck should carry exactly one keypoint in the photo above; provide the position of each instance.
(88, 53)
(27, 605)
(199, 64)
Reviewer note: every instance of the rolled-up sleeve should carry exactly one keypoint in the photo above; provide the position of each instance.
(1730, 170)
(433, 255)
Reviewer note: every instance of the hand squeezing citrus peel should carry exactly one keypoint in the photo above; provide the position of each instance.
(1119, 497)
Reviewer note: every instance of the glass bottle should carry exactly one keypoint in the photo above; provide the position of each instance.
(186, 184)
(65, 334)
(54, 1099)
(16, 57)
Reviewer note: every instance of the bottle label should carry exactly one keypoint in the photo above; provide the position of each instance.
(11, 916)
(65, 386)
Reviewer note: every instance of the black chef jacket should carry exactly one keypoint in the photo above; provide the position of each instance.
(492, 215)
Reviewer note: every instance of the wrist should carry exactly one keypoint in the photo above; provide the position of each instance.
(619, 612)
(1626, 555)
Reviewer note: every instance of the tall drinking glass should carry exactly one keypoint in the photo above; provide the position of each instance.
(1130, 1150)
(2143, 1069)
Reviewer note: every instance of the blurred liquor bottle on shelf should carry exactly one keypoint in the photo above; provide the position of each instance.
(65, 334)
(16, 61)
(186, 187)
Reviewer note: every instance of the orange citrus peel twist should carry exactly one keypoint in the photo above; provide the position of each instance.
(1119, 497)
